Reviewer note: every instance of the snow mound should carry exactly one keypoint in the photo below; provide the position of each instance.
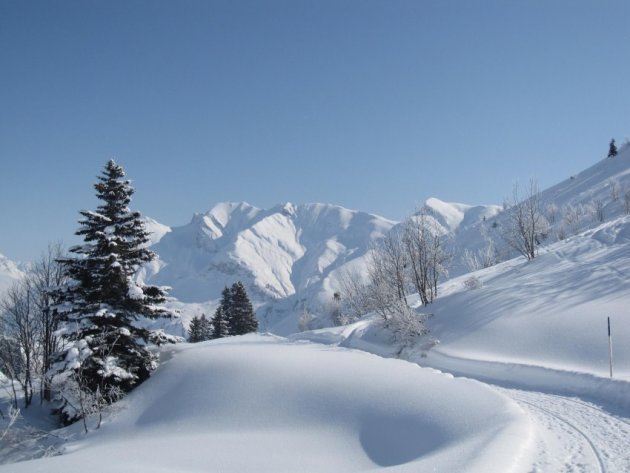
(261, 403)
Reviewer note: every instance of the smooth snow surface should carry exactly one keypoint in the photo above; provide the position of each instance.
(264, 404)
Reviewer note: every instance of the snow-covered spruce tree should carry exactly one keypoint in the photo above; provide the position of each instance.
(200, 329)
(220, 326)
(105, 351)
(226, 307)
(194, 330)
(242, 319)
(612, 149)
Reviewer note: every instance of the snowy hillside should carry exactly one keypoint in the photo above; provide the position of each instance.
(549, 312)
(582, 201)
(260, 403)
(9, 273)
(540, 324)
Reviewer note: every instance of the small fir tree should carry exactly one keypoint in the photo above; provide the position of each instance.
(200, 329)
(220, 326)
(206, 328)
(194, 331)
(612, 149)
(104, 350)
(242, 319)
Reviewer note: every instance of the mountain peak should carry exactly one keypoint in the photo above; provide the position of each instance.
(453, 215)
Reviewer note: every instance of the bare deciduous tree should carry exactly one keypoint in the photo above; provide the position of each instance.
(527, 225)
(626, 202)
(47, 274)
(28, 324)
(598, 210)
(19, 324)
(354, 292)
(614, 189)
(389, 262)
(427, 254)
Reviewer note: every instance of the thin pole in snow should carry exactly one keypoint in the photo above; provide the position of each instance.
(610, 349)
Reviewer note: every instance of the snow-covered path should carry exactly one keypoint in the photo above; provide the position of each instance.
(574, 435)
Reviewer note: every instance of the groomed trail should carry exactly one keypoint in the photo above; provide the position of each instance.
(574, 435)
(581, 422)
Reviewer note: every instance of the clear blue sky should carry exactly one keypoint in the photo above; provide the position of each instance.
(373, 105)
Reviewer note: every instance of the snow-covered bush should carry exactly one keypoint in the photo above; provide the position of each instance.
(407, 325)
(305, 321)
(473, 282)
(626, 202)
(614, 190)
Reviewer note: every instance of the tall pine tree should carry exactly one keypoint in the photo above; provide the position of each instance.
(220, 326)
(226, 308)
(242, 318)
(105, 351)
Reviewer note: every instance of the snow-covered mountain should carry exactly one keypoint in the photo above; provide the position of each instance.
(289, 251)
(155, 229)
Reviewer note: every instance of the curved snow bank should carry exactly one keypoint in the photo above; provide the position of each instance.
(260, 403)
(614, 393)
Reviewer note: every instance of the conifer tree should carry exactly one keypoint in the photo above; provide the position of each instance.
(612, 149)
(206, 328)
(194, 332)
(242, 319)
(105, 352)
(219, 324)
(225, 305)
(200, 329)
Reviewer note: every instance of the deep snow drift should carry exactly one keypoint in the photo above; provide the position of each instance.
(260, 403)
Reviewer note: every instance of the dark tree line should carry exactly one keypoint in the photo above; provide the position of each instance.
(234, 316)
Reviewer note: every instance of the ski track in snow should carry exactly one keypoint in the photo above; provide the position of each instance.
(574, 436)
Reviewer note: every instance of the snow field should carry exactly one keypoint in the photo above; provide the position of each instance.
(264, 404)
